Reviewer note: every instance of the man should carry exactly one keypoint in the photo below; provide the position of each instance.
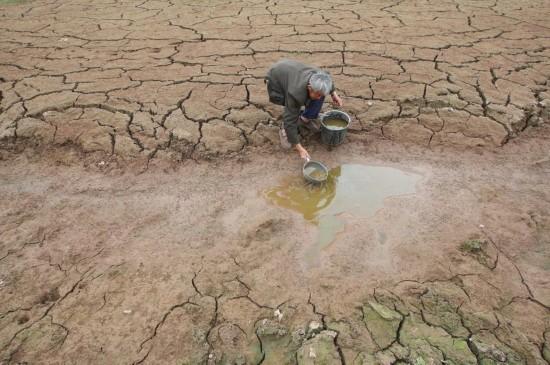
(295, 85)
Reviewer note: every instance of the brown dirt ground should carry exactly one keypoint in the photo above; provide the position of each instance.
(136, 144)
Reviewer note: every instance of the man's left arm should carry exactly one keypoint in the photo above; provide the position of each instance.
(336, 100)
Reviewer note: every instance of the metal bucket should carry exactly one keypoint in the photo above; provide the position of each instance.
(315, 172)
(330, 135)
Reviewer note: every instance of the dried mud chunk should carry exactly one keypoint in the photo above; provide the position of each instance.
(36, 129)
(219, 137)
(276, 342)
(546, 347)
(234, 345)
(440, 305)
(236, 337)
(356, 86)
(425, 354)
(380, 111)
(191, 51)
(526, 352)
(214, 100)
(40, 85)
(437, 98)
(407, 130)
(431, 120)
(423, 72)
(96, 139)
(171, 72)
(382, 323)
(511, 117)
(248, 118)
(268, 328)
(428, 341)
(182, 336)
(409, 110)
(528, 318)
(476, 321)
(391, 355)
(118, 121)
(314, 328)
(489, 350)
(364, 359)
(125, 146)
(320, 350)
(390, 300)
(182, 129)
(460, 128)
(389, 90)
(264, 134)
(61, 100)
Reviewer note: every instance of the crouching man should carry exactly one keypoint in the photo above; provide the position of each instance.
(295, 85)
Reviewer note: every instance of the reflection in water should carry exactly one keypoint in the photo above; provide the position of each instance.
(357, 190)
(307, 199)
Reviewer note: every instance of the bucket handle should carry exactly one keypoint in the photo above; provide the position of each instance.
(306, 160)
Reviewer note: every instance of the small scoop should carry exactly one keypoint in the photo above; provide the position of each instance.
(314, 172)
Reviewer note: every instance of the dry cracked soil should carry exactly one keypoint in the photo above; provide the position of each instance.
(137, 144)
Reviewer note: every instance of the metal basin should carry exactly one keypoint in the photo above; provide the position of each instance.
(315, 172)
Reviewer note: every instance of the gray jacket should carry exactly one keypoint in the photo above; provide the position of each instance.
(287, 85)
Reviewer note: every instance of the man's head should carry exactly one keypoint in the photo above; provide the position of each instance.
(320, 84)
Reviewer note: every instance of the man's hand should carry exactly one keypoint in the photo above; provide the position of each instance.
(302, 151)
(336, 100)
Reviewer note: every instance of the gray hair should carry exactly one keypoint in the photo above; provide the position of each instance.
(321, 82)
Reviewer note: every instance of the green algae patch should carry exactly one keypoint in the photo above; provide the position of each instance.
(481, 250)
(472, 246)
(418, 335)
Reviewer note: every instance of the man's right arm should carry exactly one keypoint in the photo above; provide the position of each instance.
(290, 120)
(302, 151)
(290, 123)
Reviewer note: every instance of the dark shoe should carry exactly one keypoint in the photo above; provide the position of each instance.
(312, 124)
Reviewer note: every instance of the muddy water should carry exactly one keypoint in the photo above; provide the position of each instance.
(351, 190)
(335, 124)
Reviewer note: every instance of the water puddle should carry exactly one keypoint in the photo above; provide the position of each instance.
(351, 189)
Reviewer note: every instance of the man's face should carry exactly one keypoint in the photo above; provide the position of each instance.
(314, 95)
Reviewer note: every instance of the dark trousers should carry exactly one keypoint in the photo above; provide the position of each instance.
(313, 107)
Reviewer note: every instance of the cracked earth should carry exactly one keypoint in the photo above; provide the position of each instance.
(137, 141)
